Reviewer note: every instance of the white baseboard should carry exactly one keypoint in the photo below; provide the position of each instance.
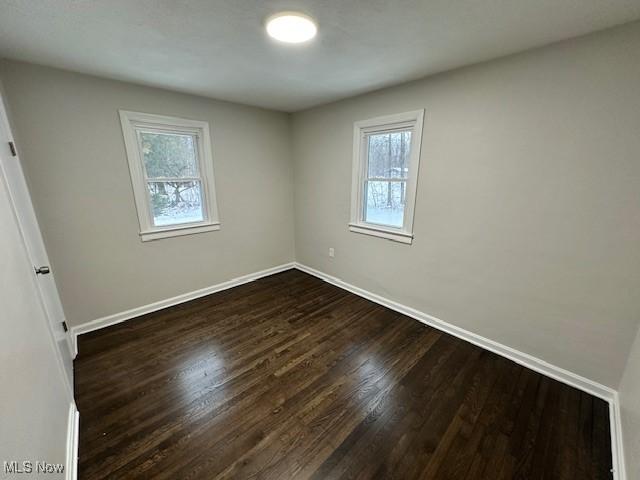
(545, 368)
(617, 442)
(169, 302)
(521, 358)
(73, 424)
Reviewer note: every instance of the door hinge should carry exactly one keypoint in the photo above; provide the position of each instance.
(64, 325)
(12, 147)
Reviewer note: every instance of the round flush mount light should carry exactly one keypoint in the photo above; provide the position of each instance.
(291, 27)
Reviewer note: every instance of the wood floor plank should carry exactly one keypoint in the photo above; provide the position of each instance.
(291, 377)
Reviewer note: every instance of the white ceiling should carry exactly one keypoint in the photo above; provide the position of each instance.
(218, 48)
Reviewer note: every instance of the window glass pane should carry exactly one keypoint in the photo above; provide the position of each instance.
(388, 155)
(384, 202)
(170, 155)
(173, 203)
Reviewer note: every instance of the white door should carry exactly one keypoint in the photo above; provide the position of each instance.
(19, 193)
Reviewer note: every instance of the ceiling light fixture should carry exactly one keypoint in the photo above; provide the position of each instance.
(291, 27)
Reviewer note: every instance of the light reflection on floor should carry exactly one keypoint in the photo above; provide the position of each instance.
(202, 373)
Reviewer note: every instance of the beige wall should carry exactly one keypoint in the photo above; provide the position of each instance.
(34, 401)
(70, 140)
(630, 407)
(527, 223)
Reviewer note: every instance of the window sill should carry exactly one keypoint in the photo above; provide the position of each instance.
(177, 231)
(395, 235)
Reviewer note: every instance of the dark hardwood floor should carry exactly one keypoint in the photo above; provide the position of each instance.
(290, 377)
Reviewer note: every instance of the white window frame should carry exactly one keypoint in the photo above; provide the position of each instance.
(412, 121)
(132, 122)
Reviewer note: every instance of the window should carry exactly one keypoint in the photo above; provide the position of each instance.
(172, 174)
(386, 153)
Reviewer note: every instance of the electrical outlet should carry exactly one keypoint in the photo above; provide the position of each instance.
(332, 252)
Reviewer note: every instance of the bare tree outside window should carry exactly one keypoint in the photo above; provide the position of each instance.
(386, 177)
(171, 165)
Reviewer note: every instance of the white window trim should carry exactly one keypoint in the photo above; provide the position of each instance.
(148, 231)
(409, 120)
